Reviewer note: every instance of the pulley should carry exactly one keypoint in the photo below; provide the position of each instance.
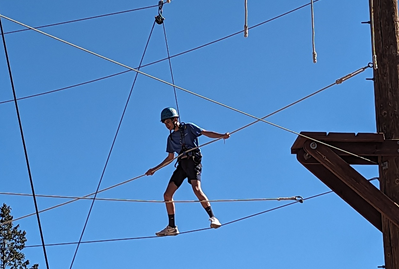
(159, 19)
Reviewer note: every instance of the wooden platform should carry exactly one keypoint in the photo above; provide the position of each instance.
(329, 156)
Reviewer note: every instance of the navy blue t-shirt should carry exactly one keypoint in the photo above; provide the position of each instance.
(190, 139)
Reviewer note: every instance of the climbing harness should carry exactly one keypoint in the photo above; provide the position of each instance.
(159, 19)
(194, 154)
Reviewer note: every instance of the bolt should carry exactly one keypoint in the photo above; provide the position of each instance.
(313, 145)
(384, 165)
(397, 181)
(307, 156)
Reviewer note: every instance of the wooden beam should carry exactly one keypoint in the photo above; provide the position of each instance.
(385, 30)
(354, 180)
(343, 191)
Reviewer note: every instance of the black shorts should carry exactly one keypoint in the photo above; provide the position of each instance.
(187, 168)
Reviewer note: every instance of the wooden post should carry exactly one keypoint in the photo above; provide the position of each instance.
(384, 19)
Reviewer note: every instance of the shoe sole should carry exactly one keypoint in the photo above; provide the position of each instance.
(166, 234)
(215, 226)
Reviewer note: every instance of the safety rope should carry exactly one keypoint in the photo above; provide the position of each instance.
(293, 198)
(246, 18)
(171, 71)
(76, 199)
(313, 33)
(338, 81)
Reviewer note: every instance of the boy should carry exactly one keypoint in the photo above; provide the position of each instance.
(183, 137)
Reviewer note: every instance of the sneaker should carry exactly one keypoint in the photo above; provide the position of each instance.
(168, 231)
(215, 223)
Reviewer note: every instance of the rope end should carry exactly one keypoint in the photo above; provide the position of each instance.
(245, 31)
(314, 57)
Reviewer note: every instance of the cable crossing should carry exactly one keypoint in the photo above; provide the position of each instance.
(24, 145)
(112, 146)
(161, 60)
(191, 92)
(338, 81)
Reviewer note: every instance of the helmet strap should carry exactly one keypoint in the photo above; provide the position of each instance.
(175, 123)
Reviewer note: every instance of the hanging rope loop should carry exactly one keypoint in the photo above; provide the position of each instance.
(159, 19)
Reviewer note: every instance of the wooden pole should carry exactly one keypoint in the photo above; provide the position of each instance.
(385, 37)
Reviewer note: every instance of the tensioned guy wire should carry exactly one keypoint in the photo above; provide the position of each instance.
(83, 19)
(24, 144)
(191, 92)
(112, 147)
(164, 59)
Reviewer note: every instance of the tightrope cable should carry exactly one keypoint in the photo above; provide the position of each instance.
(191, 231)
(154, 236)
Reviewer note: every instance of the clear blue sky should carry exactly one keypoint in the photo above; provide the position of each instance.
(69, 133)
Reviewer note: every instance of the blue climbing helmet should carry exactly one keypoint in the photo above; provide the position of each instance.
(168, 113)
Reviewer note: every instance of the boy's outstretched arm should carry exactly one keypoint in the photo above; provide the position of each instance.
(165, 162)
(212, 134)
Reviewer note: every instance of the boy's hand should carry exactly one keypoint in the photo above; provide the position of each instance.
(150, 172)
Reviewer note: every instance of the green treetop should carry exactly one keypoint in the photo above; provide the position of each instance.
(12, 241)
